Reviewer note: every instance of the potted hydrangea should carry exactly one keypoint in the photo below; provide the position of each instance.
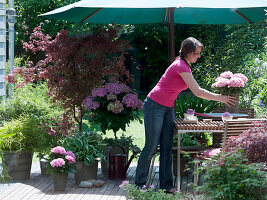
(113, 106)
(60, 164)
(230, 84)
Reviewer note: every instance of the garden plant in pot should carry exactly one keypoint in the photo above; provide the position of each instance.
(230, 84)
(88, 148)
(60, 164)
(18, 149)
(113, 107)
(51, 135)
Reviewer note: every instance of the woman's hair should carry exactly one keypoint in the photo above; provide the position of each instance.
(189, 45)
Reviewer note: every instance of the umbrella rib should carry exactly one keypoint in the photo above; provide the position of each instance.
(243, 16)
(166, 12)
(92, 14)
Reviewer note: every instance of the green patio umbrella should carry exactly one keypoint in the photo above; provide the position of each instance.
(160, 11)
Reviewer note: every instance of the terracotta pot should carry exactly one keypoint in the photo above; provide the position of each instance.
(18, 164)
(60, 181)
(84, 172)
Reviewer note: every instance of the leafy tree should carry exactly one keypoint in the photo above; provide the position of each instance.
(73, 66)
(28, 12)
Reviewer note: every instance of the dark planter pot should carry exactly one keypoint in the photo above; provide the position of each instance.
(84, 172)
(184, 164)
(18, 164)
(60, 181)
(110, 150)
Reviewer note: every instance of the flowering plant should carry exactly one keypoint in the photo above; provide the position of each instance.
(229, 83)
(226, 114)
(61, 161)
(190, 111)
(113, 106)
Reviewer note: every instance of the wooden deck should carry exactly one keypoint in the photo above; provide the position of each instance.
(40, 187)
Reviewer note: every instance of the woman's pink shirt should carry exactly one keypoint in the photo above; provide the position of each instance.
(170, 84)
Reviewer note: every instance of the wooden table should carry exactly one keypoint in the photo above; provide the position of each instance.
(199, 127)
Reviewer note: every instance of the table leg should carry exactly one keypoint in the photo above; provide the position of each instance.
(178, 162)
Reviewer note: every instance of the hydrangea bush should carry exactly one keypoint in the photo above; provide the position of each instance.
(229, 83)
(113, 106)
(61, 161)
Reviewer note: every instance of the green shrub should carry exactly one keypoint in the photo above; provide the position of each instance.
(31, 100)
(230, 178)
(26, 134)
(133, 192)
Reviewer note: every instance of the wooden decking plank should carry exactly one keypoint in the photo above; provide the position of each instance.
(41, 187)
(117, 191)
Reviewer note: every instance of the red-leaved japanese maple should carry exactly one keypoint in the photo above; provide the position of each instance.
(74, 65)
(253, 142)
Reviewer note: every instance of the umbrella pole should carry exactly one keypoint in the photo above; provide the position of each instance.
(172, 43)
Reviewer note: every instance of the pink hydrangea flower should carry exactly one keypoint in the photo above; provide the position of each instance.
(70, 159)
(242, 76)
(59, 162)
(111, 96)
(226, 114)
(236, 82)
(59, 150)
(222, 82)
(70, 153)
(131, 101)
(116, 88)
(226, 74)
(116, 107)
(99, 92)
(90, 104)
(190, 111)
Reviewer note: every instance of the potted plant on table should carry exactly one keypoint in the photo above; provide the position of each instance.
(60, 164)
(88, 148)
(113, 106)
(230, 84)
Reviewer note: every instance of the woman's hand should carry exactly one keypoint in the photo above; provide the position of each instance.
(227, 100)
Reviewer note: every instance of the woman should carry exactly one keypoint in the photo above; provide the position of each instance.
(158, 110)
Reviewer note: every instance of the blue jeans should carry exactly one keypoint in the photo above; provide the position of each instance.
(159, 127)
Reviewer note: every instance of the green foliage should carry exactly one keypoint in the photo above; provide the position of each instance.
(133, 192)
(87, 147)
(28, 11)
(122, 141)
(255, 92)
(199, 105)
(230, 178)
(31, 100)
(25, 134)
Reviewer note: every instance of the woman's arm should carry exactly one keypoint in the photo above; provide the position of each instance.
(202, 93)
